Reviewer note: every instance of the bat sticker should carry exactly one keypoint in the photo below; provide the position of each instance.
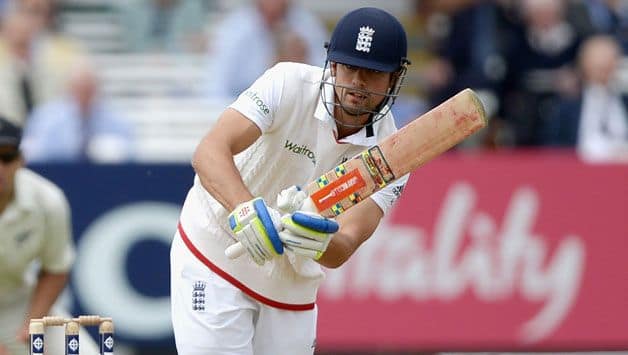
(337, 190)
(377, 166)
(381, 164)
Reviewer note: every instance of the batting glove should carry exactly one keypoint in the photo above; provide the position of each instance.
(256, 226)
(291, 199)
(307, 233)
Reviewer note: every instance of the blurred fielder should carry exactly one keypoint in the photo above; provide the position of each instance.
(293, 124)
(36, 250)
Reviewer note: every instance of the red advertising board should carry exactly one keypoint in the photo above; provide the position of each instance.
(520, 251)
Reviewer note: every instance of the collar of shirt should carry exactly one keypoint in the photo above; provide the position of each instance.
(322, 114)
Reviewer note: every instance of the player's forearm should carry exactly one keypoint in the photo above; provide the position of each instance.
(340, 249)
(213, 158)
(356, 226)
(219, 175)
(48, 287)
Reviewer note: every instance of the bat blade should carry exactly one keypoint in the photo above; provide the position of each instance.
(420, 141)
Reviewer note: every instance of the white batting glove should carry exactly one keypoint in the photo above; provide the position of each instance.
(256, 226)
(307, 234)
(291, 199)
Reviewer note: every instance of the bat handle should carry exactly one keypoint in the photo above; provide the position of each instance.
(237, 249)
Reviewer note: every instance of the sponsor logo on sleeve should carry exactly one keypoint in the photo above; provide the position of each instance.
(261, 105)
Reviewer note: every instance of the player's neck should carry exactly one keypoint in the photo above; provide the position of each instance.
(344, 130)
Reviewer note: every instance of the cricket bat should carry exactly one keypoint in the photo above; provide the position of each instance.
(418, 142)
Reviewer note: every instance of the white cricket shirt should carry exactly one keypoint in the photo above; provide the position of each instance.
(34, 227)
(297, 145)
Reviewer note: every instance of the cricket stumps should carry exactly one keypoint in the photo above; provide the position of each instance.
(72, 326)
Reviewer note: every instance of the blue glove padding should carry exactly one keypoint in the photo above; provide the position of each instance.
(307, 234)
(255, 225)
(315, 222)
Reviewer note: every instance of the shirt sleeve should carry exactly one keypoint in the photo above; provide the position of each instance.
(58, 252)
(260, 102)
(386, 197)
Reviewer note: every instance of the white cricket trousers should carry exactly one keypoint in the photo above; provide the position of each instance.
(211, 316)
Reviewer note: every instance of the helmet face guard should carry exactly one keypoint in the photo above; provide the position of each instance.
(373, 39)
(376, 114)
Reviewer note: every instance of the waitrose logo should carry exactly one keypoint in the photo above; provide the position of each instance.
(301, 150)
(261, 105)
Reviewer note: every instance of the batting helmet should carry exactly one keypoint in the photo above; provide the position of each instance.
(369, 38)
(10, 133)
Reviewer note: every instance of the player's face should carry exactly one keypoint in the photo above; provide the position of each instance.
(10, 161)
(360, 90)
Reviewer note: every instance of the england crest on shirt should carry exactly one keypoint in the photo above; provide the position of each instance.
(198, 296)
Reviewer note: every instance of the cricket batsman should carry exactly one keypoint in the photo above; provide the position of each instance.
(293, 124)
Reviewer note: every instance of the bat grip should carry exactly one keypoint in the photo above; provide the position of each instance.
(237, 249)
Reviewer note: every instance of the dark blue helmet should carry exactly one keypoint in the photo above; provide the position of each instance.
(369, 38)
(10, 133)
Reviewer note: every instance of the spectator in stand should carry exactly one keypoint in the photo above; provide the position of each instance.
(468, 54)
(78, 127)
(539, 61)
(453, 44)
(291, 47)
(34, 60)
(596, 121)
(610, 17)
(163, 25)
(247, 43)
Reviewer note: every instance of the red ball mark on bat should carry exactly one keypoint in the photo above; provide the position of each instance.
(463, 120)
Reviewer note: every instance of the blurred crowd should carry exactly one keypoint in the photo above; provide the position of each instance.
(49, 87)
(548, 71)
